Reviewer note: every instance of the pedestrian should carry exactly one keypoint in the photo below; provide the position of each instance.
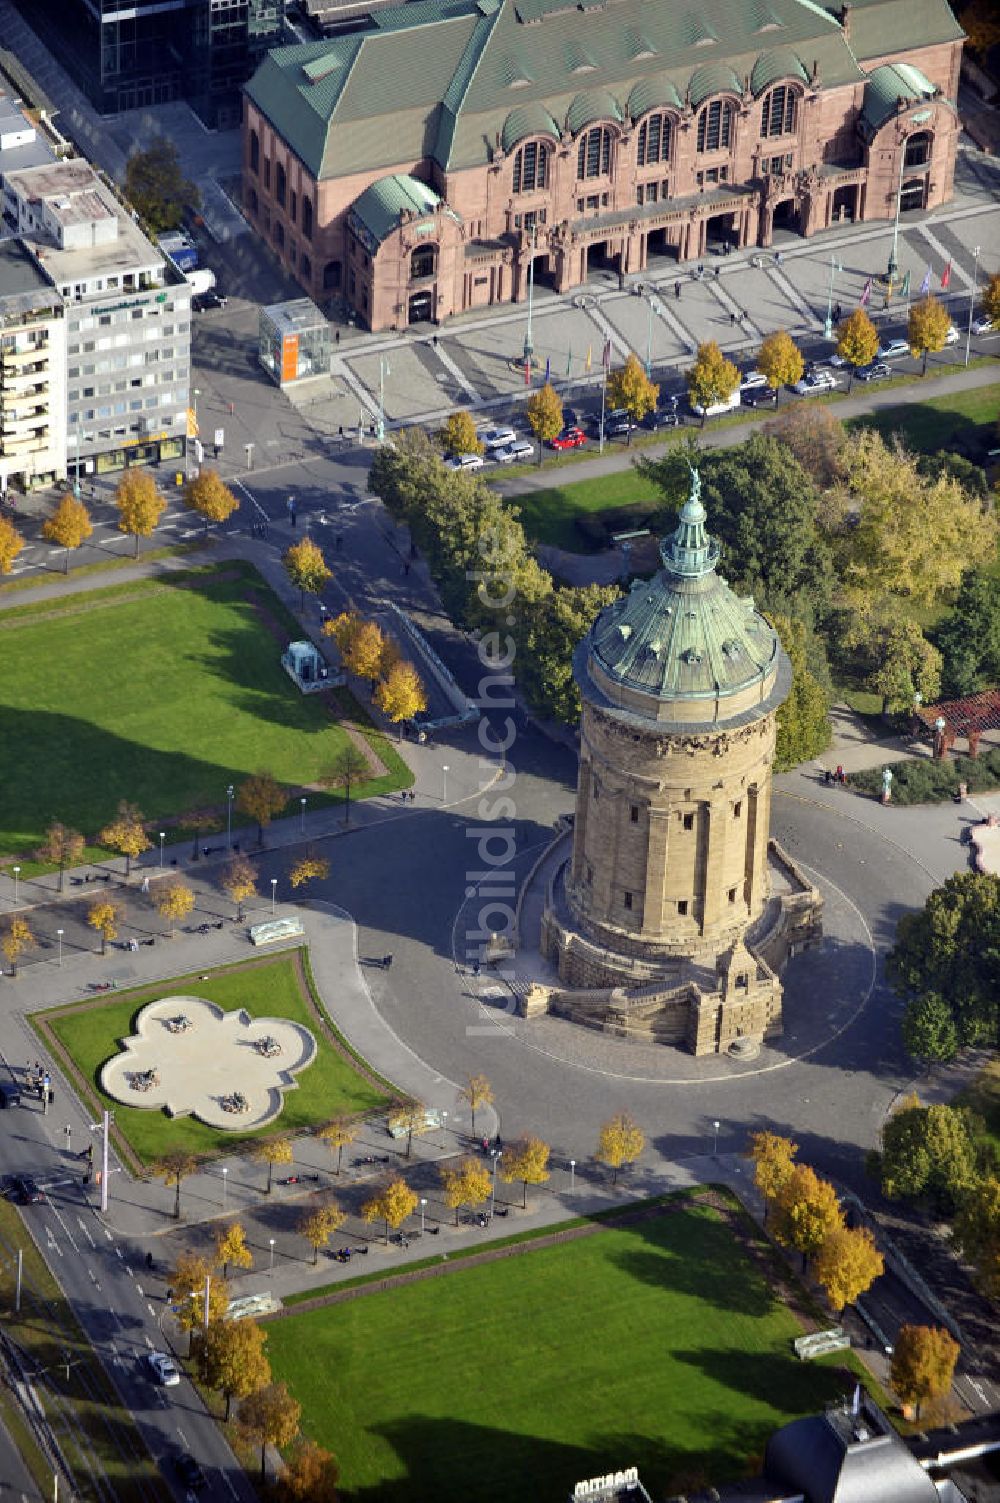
(677, 291)
(476, 965)
(732, 320)
(336, 339)
(149, 1260)
(840, 775)
(386, 962)
(340, 433)
(145, 884)
(778, 258)
(718, 272)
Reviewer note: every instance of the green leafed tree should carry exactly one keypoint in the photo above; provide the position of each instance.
(929, 1152)
(156, 186)
(547, 633)
(929, 1032)
(977, 1232)
(969, 637)
(803, 721)
(952, 947)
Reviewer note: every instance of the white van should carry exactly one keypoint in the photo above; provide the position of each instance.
(716, 409)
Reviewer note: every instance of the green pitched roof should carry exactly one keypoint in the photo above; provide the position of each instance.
(533, 120)
(772, 67)
(442, 78)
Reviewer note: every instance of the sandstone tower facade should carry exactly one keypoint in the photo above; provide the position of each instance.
(673, 911)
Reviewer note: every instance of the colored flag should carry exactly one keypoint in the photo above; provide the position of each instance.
(888, 293)
(925, 285)
(904, 291)
(527, 370)
(548, 369)
(946, 276)
(569, 362)
(192, 423)
(590, 356)
(606, 356)
(866, 293)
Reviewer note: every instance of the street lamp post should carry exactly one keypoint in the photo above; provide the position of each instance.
(423, 1203)
(59, 935)
(302, 817)
(715, 1146)
(383, 371)
(270, 1242)
(444, 786)
(163, 836)
(893, 266)
(17, 872)
(497, 1156)
(972, 299)
(229, 817)
(828, 322)
(274, 893)
(225, 1185)
(649, 334)
(529, 348)
(572, 1175)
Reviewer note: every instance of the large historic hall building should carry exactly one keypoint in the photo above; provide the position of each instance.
(413, 169)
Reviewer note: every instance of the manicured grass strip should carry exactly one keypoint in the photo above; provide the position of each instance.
(90, 1034)
(659, 1339)
(550, 516)
(47, 1332)
(160, 691)
(938, 423)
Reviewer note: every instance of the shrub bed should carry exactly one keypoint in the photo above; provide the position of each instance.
(920, 780)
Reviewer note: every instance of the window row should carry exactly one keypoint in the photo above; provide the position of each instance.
(779, 117)
(283, 195)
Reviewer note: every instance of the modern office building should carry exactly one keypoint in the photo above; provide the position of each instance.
(125, 54)
(32, 372)
(127, 317)
(416, 167)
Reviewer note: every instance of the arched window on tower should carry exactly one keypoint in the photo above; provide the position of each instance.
(531, 167)
(593, 158)
(715, 126)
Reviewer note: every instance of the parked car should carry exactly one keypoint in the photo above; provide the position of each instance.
(895, 349)
(571, 418)
(465, 462)
(617, 426)
(662, 417)
(983, 325)
(569, 438)
(162, 1368)
(22, 1189)
(875, 370)
(952, 336)
(815, 382)
(189, 1472)
(759, 396)
(495, 438)
(752, 381)
(10, 1093)
(204, 302)
(516, 453)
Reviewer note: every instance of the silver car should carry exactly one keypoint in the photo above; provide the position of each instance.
(162, 1368)
(514, 453)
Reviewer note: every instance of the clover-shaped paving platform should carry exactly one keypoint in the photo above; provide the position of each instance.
(190, 1058)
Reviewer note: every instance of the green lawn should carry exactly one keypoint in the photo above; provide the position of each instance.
(938, 423)
(657, 1345)
(550, 516)
(161, 692)
(330, 1086)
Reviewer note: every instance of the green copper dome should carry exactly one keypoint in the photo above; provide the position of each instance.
(683, 636)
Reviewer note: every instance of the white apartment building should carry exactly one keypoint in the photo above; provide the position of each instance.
(32, 372)
(127, 317)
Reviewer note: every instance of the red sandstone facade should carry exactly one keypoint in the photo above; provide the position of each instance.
(630, 193)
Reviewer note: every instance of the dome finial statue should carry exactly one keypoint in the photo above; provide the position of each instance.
(695, 483)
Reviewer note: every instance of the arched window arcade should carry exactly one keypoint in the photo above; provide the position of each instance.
(655, 139)
(715, 125)
(593, 158)
(531, 167)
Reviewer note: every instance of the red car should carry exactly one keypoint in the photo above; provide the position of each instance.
(569, 438)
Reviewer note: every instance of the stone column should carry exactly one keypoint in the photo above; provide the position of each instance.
(715, 854)
(657, 847)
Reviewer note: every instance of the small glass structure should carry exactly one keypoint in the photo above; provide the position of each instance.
(294, 341)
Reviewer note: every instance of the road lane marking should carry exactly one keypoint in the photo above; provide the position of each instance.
(85, 1229)
(52, 1243)
(182, 1438)
(139, 1289)
(147, 1341)
(151, 1310)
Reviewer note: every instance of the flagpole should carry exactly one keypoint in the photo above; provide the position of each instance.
(828, 325)
(604, 390)
(972, 300)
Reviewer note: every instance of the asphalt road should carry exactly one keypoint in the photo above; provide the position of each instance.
(119, 1305)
